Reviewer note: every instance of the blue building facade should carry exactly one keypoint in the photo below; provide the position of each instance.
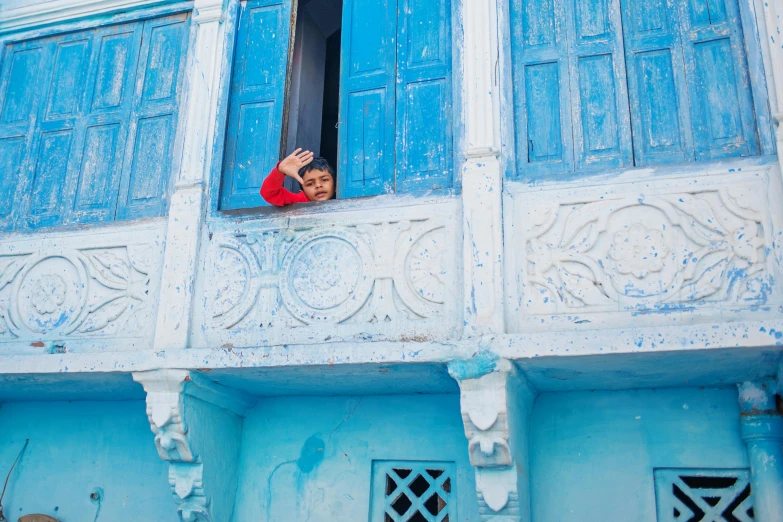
(549, 288)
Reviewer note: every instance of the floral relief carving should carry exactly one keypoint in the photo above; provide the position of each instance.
(645, 251)
(638, 251)
(60, 292)
(376, 273)
(49, 293)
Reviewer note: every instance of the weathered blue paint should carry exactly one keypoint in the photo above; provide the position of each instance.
(77, 448)
(480, 364)
(424, 138)
(367, 118)
(593, 453)
(87, 123)
(687, 84)
(764, 437)
(310, 458)
(396, 128)
(255, 119)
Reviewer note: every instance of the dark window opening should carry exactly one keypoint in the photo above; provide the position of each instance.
(314, 82)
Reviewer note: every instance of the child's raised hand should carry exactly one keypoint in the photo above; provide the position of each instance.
(291, 165)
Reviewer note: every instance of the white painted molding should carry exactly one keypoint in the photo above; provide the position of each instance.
(481, 173)
(481, 89)
(48, 12)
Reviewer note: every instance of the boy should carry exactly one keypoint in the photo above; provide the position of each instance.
(314, 174)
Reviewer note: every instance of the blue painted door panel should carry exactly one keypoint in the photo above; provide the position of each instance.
(721, 102)
(70, 107)
(367, 98)
(22, 66)
(153, 120)
(656, 82)
(424, 102)
(601, 119)
(541, 91)
(256, 101)
(103, 132)
(396, 97)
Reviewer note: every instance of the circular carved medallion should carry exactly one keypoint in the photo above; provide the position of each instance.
(50, 295)
(326, 276)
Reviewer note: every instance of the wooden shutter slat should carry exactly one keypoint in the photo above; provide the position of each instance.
(256, 101)
(367, 98)
(656, 83)
(423, 98)
(542, 106)
(599, 97)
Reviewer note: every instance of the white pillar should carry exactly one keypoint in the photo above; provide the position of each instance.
(481, 173)
(188, 200)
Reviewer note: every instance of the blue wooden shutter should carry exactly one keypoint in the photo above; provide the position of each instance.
(424, 102)
(146, 173)
(22, 67)
(656, 83)
(61, 100)
(366, 132)
(601, 119)
(102, 133)
(721, 103)
(541, 93)
(256, 101)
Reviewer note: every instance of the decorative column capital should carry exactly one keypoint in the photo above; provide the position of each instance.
(484, 407)
(756, 397)
(167, 394)
(489, 399)
(206, 11)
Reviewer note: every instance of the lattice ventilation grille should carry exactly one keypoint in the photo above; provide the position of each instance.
(413, 491)
(703, 495)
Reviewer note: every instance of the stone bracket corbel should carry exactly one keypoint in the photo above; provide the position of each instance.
(168, 393)
(495, 401)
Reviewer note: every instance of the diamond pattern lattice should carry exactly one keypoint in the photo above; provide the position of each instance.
(408, 491)
(703, 495)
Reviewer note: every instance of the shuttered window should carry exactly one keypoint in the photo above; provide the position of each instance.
(395, 116)
(87, 123)
(601, 84)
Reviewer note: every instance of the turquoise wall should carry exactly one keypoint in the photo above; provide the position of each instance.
(76, 447)
(593, 453)
(314, 455)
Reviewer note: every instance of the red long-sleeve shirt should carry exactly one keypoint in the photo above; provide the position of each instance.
(275, 194)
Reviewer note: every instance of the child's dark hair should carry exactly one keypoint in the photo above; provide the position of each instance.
(317, 164)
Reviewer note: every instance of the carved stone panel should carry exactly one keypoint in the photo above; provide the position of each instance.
(80, 292)
(645, 250)
(385, 275)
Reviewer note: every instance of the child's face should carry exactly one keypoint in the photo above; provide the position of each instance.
(318, 185)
